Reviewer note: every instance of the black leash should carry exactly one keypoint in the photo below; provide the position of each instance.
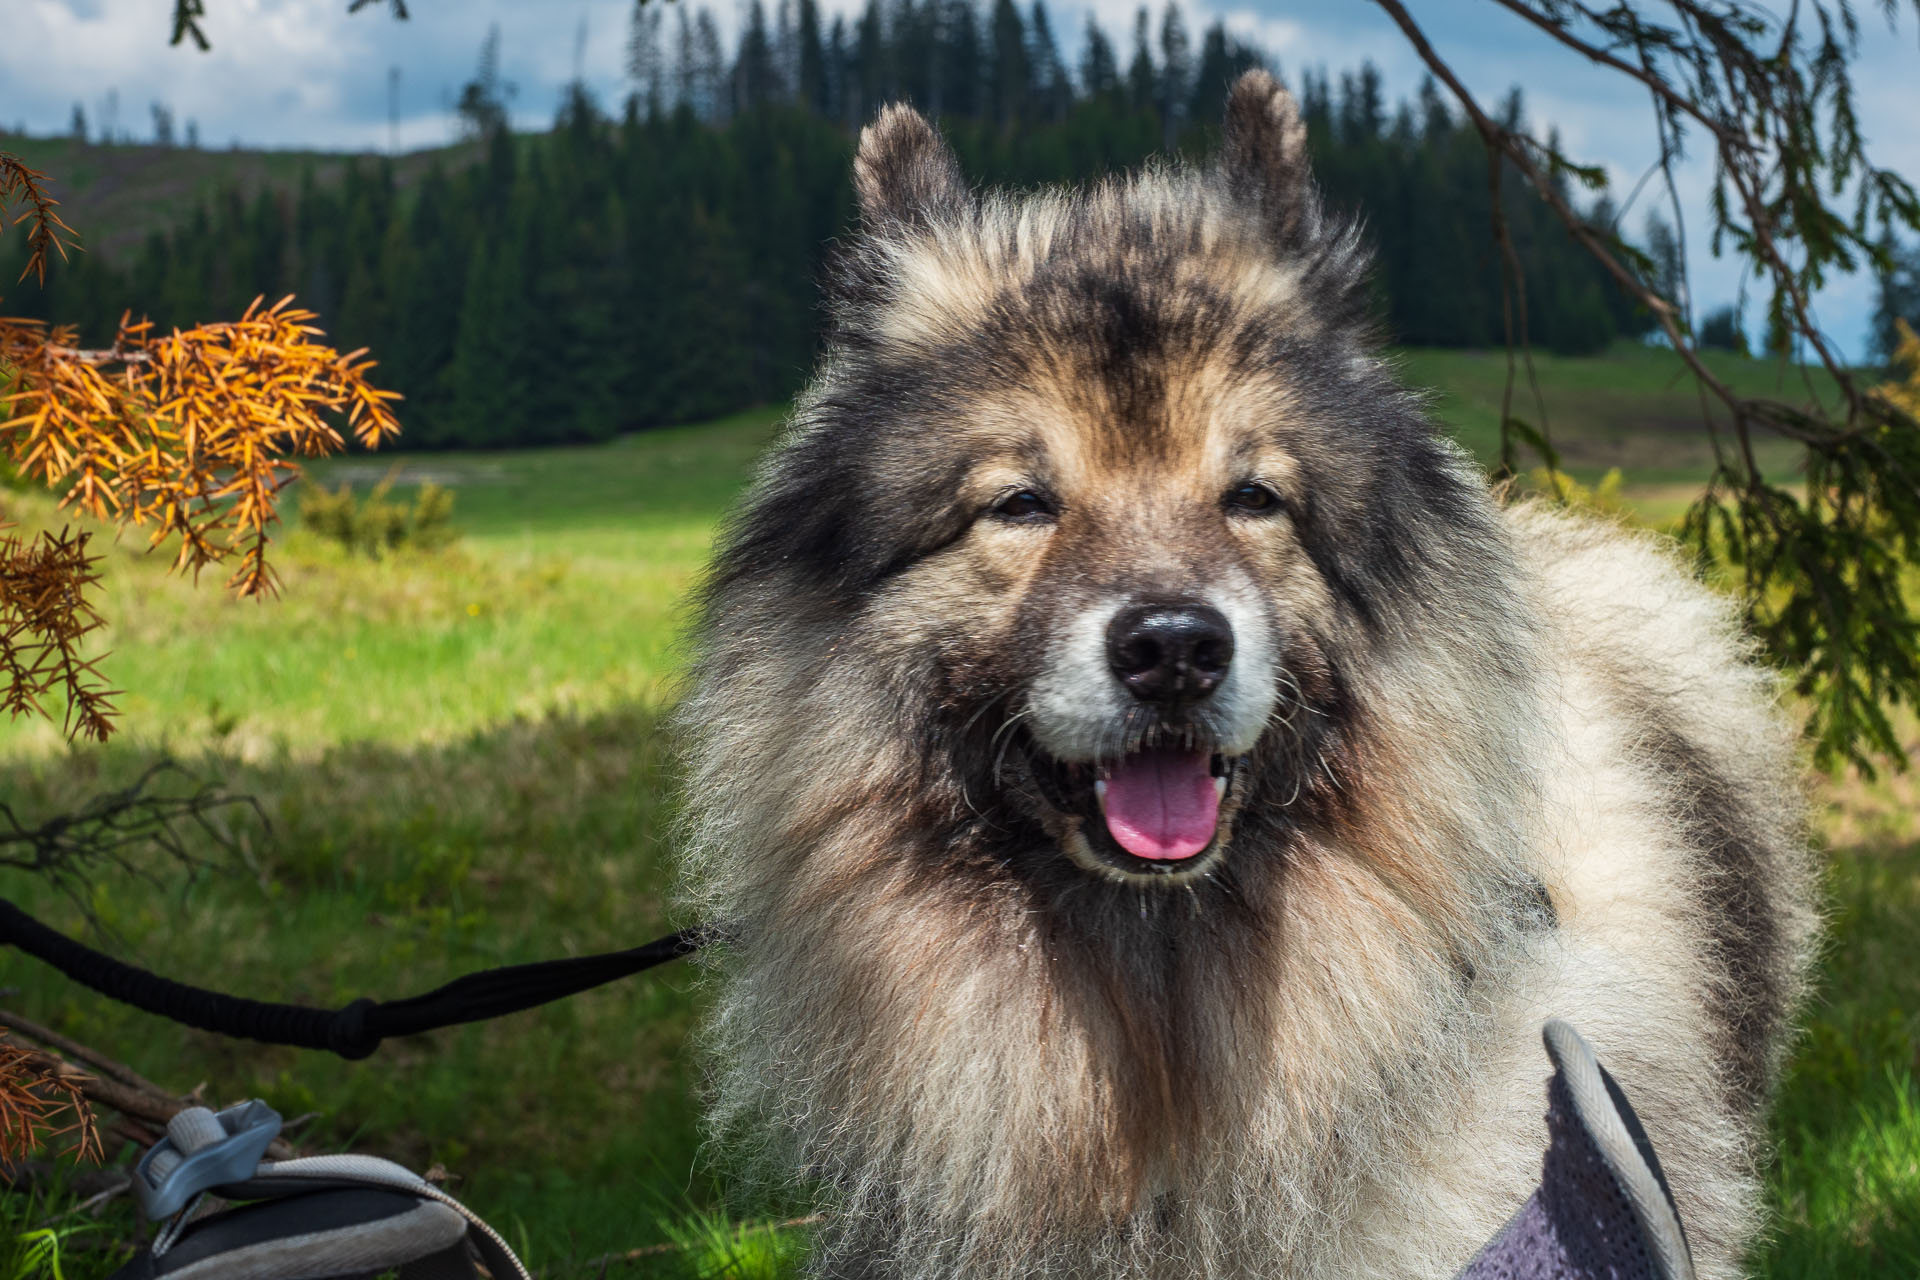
(356, 1030)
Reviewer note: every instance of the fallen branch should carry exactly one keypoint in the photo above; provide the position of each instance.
(74, 1049)
(143, 1106)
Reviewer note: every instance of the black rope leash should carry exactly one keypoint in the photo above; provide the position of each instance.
(356, 1030)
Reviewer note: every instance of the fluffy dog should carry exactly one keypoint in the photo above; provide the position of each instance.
(1157, 793)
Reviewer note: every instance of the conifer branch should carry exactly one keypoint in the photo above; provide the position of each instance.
(20, 185)
(1821, 571)
(191, 434)
(36, 1090)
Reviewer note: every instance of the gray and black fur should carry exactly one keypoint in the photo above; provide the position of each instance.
(1481, 767)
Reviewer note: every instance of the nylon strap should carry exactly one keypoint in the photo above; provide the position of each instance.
(355, 1030)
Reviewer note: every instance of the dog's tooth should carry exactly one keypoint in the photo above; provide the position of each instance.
(1100, 794)
(1220, 787)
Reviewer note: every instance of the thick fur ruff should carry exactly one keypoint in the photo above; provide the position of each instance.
(1510, 765)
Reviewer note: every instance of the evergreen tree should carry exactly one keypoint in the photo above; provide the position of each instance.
(1436, 121)
(1362, 106)
(1099, 68)
(483, 100)
(960, 30)
(709, 76)
(1316, 101)
(646, 61)
(913, 54)
(869, 64)
(756, 80)
(1051, 92)
(684, 73)
(1011, 75)
(486, 394)
(1222, 59)
(1143, 82)
(427, 259)
(842, 89)
(1897, 297)
(810, 62)
(1723, 331)
(786, 51)
(1176, 74)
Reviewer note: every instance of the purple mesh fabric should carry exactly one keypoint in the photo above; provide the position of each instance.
(1578, 1224)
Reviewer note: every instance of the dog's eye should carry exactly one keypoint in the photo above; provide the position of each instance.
(1024, 506)
(1251, 498)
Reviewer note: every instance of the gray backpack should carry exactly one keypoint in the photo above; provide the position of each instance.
(316, 1218)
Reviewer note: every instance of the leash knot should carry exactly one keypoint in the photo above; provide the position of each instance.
(348, 1034)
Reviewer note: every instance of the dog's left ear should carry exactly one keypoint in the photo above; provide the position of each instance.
(1265, 156)
(904, 171)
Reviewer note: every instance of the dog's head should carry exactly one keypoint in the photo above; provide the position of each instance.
(1112, 489)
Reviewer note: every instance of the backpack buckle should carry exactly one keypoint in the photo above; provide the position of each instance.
(203, 1149)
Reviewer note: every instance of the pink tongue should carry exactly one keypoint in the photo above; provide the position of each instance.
(1162, 804)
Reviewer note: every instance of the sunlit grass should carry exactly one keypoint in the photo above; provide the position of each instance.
(1636, 408)
(563, 597)
(1846, 1183)
(464, 762)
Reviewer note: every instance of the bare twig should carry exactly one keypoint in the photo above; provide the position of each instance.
(117, 827)
(96, 1201)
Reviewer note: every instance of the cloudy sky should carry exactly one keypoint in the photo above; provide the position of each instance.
(300, 73)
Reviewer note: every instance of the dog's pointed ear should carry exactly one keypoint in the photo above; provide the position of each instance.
(904, 171)
(1265, 155)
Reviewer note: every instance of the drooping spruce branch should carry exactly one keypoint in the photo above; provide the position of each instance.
(1795, 197)
(187, 15)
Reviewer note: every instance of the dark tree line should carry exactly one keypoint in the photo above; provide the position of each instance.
(661, 266)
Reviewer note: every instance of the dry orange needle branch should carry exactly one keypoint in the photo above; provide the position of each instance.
(188, 434)
(34, 1094)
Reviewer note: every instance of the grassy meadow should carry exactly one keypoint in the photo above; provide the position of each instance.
(463, 759)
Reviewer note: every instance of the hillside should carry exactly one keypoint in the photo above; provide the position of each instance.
(115, 196)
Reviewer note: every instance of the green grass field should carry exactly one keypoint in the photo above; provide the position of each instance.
(464, 760)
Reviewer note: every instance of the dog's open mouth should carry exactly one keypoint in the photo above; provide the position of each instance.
(1160, 809)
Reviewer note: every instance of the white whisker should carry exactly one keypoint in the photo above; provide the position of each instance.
(1003, 732)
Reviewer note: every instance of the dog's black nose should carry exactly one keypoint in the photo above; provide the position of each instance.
(1170, 652)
